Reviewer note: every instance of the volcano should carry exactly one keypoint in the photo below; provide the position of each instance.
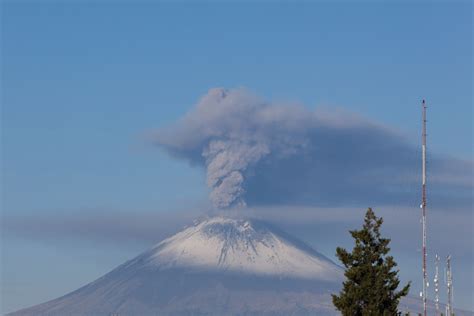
(217, 266)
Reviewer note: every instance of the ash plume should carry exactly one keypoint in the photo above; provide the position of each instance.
(266, 153)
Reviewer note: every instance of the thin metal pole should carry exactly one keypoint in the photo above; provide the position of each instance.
(423, 208)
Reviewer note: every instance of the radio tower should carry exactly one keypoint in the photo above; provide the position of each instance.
(423, 208)
(449, 283)
(436, 284)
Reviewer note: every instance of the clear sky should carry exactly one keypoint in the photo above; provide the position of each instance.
(82, 83)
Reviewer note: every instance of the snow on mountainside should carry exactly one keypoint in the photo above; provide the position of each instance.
(218, 266)
(235, 245)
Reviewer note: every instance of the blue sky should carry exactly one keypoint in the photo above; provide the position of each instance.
(83, 83)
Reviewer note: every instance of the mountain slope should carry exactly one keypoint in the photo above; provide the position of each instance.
(225, 244)
(218, 266)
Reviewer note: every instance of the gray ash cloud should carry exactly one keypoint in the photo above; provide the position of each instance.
(267, 153)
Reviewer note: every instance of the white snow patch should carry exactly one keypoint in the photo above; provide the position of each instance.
(228, 244)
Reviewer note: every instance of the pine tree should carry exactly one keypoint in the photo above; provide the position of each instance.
(370, 288)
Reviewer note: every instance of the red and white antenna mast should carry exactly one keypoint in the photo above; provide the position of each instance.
(423, 209)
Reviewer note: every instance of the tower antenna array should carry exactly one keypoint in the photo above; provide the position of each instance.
(436, 284)
(449, 284)
(423, 209)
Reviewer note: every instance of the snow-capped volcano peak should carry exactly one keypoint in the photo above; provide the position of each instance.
(240, 245)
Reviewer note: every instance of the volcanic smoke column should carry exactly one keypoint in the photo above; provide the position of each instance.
(224, 132)
(228, 132)
(226, 162)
